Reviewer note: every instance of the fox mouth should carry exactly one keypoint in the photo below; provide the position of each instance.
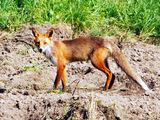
(47, 51)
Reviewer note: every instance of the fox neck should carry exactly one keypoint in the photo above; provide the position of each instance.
(48, 51)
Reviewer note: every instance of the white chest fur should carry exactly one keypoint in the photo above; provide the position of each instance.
(48, 52)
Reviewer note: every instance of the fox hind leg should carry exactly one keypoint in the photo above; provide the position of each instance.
(112, 79)
(64, 81)
(98, 59)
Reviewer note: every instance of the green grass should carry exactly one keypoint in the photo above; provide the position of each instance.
(100, 16)
(32, 68)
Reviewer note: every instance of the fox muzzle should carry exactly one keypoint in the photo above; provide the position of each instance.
(40, 50)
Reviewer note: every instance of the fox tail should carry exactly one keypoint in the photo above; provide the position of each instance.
(124, 64)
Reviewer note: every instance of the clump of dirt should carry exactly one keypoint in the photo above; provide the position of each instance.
(27, 77)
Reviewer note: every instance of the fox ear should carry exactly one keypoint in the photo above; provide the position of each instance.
(35, 32)
(49, 33)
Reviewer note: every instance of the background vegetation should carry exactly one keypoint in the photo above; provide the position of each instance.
(140, 17)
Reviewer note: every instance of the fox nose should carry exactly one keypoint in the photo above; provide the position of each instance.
(40, 50)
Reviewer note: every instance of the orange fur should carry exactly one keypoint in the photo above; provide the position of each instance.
(96, 49)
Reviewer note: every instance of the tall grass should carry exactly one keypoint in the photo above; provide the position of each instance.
(137, 16)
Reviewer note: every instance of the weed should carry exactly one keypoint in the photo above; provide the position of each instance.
(32, 68)
(57, 92)
(87, 86)
(138, 16)
(23, 52)
(44, 84)
(99, 103)
(5, 82)
(92, 108)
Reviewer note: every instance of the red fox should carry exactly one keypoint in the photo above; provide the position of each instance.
(96, 49)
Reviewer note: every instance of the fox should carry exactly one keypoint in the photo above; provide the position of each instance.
(95, 49)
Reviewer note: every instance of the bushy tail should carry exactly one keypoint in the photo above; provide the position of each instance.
(124, 64)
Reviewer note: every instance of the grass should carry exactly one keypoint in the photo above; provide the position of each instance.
(32, 68)
(87, 86)
(140, 17)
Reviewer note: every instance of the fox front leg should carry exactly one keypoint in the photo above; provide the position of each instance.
(60, 72)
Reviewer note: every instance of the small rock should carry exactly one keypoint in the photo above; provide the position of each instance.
(37, 86)
(14, 92)
(141, 106)
(60, 101)
(20, 91)
(17, 105)
(26, 92)
(32, 92)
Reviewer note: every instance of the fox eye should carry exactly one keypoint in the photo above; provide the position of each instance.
(37, 43)
(45, 42)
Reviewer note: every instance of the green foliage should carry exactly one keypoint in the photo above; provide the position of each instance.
(57, 92)
(99, 16)
(99, 103)
(87, 86)
(32, 68)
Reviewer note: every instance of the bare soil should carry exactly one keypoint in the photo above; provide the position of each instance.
(27, 77)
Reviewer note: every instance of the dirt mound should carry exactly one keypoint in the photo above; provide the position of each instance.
(26, 82)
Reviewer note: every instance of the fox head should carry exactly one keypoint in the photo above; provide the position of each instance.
(42, 41)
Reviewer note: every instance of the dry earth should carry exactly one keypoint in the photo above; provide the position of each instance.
(26, 83)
